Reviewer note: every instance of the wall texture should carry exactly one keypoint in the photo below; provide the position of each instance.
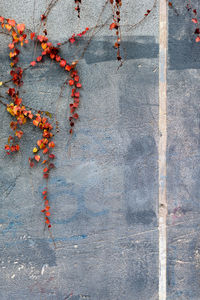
(104, 190)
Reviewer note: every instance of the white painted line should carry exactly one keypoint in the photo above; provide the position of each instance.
(162, 150)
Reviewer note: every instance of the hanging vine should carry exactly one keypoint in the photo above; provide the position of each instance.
(43, 151)
(116, 6)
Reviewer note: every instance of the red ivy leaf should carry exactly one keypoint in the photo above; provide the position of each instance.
(33, 63)
(51, 145)
(197, 39)
(39, 58)
(79, 85)
(194, 20)
(63, 63)
(112, 26)
(32, 35)
(68, 68)
(75, 116)
(71, 82)
(37, 158)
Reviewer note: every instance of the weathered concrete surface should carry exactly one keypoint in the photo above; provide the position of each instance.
(104, 190)
(183, 157)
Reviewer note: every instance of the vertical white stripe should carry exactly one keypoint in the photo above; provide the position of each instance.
(162, 151)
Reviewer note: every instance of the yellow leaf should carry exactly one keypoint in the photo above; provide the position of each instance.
(48, 114)
(35, 150)
(1, 83)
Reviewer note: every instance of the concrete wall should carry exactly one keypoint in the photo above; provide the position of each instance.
(104, 190)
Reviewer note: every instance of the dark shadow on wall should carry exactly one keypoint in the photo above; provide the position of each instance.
(132, 47)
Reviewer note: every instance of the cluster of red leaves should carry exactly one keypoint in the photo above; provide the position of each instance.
(15, 108)
(196, 22)
(22, 115)
(116, 5)
(77, 8)
(18, 37)
(19, 111)
(53, 53)
(72, 39)
(75, 84)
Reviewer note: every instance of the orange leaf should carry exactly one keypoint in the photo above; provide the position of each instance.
(197, 39)
(35, 122)
(47, 214)
(33, 63)
(112, 26)
(51, 145)
(45, 170)
(68, 68)
(63, 63)
(37, 157)
(11, 22)
(45, 150)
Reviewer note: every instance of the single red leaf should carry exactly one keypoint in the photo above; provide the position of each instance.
(197, 39)
(45, 150)
(63, 63)
(112, 26)
(39, 58)
(194, 20)
(75, 116)
(71, 82)
(51, 145)
(78, 85)
(37, 158)
(33, 63)
(68, 68)
(32, 35)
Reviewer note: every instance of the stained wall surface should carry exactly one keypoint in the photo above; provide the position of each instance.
(183, 156)
(104, 189)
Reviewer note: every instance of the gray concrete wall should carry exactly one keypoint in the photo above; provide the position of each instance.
(104, 190)
(183, 156)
